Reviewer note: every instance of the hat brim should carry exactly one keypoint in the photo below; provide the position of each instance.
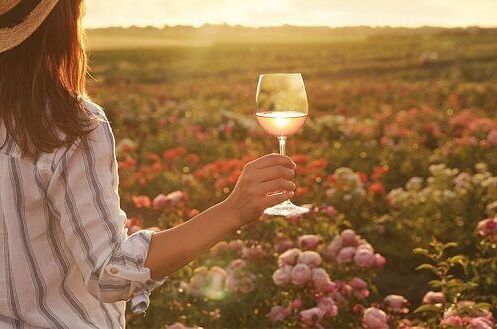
(13, 36)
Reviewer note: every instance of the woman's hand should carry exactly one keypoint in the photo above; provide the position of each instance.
(268, 174)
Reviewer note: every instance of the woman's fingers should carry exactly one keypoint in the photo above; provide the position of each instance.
(274, 186)
(273, 159)
(274, 199)
(270, 173)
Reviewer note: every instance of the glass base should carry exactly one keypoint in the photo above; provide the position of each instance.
(286, 208)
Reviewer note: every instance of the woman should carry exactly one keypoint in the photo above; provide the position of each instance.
(65, 259)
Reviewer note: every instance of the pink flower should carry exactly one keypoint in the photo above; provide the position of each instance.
(236, 245)
(301, 274)
(159, 202)
(236, 264)
(328, 306)
(289, 257)
(432, 297)
(358, 283)
(481, 323)
(349, 238)
(364, 258)
(492, 137)
(282, 275)
(379, 261)
(362, 293)
(334, 247)
(253, 252)
(374, 318)
(312, 316)
(141, 201)
(278, 313)
(396, 304)
(309, 241)
(454, 320)
(176, 198)
(358, 309)
(345, 255)
(320, 278)
(310, 258)
(330, 211)
(283, 245)
(295, 304)
(488, 228)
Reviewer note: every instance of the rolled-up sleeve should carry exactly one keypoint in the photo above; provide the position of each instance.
(83, 194)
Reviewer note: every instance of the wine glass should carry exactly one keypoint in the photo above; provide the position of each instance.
(281, 111)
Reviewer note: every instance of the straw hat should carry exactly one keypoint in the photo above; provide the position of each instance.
(32, 14)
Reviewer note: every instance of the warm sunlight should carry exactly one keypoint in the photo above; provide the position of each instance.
(296, 12)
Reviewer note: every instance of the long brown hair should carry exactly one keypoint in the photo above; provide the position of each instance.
(42, 82)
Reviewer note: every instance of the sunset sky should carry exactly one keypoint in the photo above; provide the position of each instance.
(298, 12)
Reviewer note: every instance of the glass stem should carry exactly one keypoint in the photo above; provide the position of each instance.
(282, 141)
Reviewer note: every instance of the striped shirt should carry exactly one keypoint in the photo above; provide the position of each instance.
(65, 258)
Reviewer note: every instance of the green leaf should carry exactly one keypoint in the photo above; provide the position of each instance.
(435, 283)
(421, 251)
(427, 267)
(450, 245)
(427, 308)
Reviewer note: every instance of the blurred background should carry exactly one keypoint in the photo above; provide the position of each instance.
(400, 147)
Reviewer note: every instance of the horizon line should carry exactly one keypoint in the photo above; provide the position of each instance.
(96, 27)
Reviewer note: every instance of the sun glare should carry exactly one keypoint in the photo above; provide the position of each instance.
(296, 12)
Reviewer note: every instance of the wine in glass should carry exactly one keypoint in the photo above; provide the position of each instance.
(281, 111)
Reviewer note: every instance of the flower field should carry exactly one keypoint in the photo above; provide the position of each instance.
(397, 162)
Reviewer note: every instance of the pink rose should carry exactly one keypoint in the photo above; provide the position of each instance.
(362, 293)
(374, 318)
(159, 202)
(488, 228)
(309, 241)
(236, 264)
(301, 274)
(320, 278)
(396, 304)
(349, 237)
(278, 313)
(295, 304)
(176, 198)
(289, 257)
(454, 320)
(379, 261)
(366, 246)
(334, 247)
(330, 211)
(282, 275)
(312, 316)
(283, 245)
(328, 306)
(310, 258)
(345, 255)
(364, 258)
(432, 297)
(236, 245)
(358, 309)
(358, 283)
(253, 252)
(481, 323)
(492, 137)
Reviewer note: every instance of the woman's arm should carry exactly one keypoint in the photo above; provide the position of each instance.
(173, 248)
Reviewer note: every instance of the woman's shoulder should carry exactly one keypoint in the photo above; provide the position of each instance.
(94, 108)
